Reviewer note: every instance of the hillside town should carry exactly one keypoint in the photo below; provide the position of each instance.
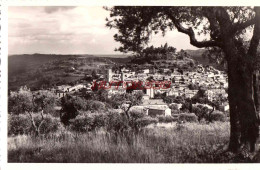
(162, 82)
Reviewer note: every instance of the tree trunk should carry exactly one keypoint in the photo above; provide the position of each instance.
(233, 97)
(248, 114)
(256, 90)
(243, 101)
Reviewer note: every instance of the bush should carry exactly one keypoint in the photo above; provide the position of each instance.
(188, 117)
(21, 124)
(82, 123)
(136, 114)
(169, 119)
(112, 121)
(201, 112)
(161, 118)
(144, 121)
(116, 122)
(94, 105)
(166, 119)
(50, 124)
(99, 120)
(70, 107)
(88, 121)
(217, 116)
(18, 124)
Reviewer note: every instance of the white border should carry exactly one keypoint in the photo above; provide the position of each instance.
(3, 88)
(131, 2)
(4, 53)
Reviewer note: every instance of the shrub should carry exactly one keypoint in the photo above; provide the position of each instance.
(201, 112)
(169, 119)
(49, 125)
(21, 101)
(18, 124)
(82, 123)
(70, 107)
(217, 116)
(21, 124)
(161, 118)
(188, 117)
(99, 120)
(166, 119)
(144, 121)
(136, 114)
(87, 121)
(94, 105)
(116, 122)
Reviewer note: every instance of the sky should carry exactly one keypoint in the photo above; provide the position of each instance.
(70, 30)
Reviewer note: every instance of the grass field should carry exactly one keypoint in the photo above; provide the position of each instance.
(190, 142)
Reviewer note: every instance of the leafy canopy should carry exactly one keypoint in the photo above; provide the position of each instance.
(135, 25)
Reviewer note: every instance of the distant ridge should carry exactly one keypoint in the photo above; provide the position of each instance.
(112, 55)
(19, 63)
(197, 56)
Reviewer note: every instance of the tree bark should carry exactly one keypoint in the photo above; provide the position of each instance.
(248, 114)
(233, 97)
(243, 98)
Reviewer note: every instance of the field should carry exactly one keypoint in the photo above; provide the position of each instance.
(182, 143)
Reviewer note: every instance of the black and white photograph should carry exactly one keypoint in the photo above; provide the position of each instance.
(133, 84)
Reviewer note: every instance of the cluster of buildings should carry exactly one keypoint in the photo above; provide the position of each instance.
(213, 80)
(62, 90)
(180, 83)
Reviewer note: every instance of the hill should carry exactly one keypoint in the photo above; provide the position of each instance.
(35, 70)
(197, 55)
(19, 64)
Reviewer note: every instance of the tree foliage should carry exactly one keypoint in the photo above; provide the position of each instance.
(44, 101)
(126, 101)
(21, 101)
(70, 107)
(24, 100)
(154, 53)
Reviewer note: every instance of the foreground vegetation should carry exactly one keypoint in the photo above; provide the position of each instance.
(94, 131)
(189, 142)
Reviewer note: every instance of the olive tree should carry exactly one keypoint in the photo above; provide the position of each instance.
(223, 28)
(24, 101)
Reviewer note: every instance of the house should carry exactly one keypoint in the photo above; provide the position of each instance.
(113, 76)
(60, 93)
(159, 111)
(76, 87)
(190, 93)
(153, 102)
(224, 107)
(146, 71)
(150, 92)
(64, 88)
(146, 97)
(173, 92)
(115, 90)
(156, 107)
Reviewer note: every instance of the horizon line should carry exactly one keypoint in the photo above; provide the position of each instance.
(84, 53)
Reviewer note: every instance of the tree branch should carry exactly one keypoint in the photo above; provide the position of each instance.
(32, 120)
(252, 51)
(241, 26)
(214, 26)
(41, 121)
(191, 34)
